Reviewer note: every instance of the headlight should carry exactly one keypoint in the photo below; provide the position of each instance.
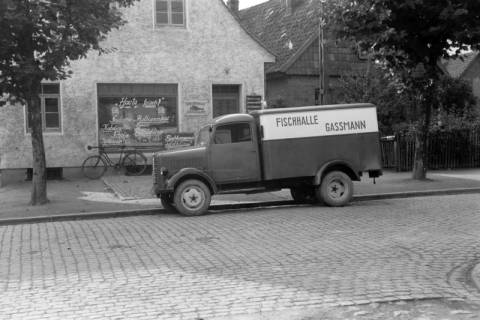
(163, 171)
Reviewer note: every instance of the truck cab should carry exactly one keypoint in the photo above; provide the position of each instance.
(233, 150)
(241, 153)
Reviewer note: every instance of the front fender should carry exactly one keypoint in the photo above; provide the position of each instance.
(191, 173)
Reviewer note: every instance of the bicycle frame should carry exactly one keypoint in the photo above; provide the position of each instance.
(104, 154)
(137, 162)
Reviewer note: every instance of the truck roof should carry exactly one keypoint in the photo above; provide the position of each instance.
(235, 117)
(240, 117)
(312, 108)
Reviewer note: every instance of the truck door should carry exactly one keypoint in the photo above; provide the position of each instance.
(234, 153)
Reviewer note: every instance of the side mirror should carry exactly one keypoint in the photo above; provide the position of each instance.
(210, 129)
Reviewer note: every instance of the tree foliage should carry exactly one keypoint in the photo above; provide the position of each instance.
(38, 39)
(409, 37)
(454, 98)
(382, 89)
(406, 33)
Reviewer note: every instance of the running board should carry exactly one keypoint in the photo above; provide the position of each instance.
(247, 190)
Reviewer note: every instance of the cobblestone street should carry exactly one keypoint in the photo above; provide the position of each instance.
(241, 262)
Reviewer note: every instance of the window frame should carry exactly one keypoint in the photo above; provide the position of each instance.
(135, 90)
(217, 95)
(232, 141)
(170, 14)
(43, 112)
(362, 54)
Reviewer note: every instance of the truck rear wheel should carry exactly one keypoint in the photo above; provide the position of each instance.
(303, 194)
(167, 202)
(336, 189)
(192, 198)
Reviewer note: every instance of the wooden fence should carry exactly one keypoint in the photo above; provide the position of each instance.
(447, 150)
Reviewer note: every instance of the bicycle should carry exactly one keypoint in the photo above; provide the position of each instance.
(133, 161)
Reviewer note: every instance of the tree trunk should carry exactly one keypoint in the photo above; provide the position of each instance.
(39, 177)
(420, 164)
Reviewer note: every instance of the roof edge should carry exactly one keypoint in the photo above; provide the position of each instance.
(314, 108)
(253, 36)
(443, 64)
(476, 55)
(298, 53)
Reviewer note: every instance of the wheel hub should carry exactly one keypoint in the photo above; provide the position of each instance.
(193, 197)
(336, 189)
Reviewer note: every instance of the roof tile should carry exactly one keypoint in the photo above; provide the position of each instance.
(271, 22)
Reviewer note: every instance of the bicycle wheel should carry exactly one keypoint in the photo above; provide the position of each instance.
(94, 167)
(134, 163)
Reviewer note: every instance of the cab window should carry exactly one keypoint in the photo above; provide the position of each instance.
(203, 136)
(233, 133)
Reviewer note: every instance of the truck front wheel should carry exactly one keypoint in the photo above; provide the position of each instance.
(192, 198)
(336, 189)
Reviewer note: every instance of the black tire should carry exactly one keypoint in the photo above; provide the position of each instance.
(167, 202)
(94, 167)
(303, 194)
(336, 189)
(134, 163)
(192, 198)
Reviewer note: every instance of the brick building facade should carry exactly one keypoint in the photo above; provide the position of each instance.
(177, 64)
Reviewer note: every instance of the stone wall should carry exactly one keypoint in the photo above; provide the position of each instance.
(294, 91)
(298, 91)
(211, 49)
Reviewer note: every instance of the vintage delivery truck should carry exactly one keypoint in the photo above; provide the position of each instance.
(316, 152)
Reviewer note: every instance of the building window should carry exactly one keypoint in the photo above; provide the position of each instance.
(141, 114)
(50, 108)
(226, 99)
(170, 12)
(362, 53)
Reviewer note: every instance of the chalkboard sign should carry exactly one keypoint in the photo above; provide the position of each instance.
(178, 140)
(254, 103)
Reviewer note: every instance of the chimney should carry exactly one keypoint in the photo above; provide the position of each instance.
(233, 5)
(288, 7)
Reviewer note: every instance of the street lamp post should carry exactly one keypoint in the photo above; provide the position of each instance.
(321, 54)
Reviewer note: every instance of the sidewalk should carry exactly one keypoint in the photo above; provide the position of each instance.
(394, 184)
(117, 195)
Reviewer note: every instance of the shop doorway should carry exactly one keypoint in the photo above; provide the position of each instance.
(226, 99)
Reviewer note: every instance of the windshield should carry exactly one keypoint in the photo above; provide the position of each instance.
(202, 137)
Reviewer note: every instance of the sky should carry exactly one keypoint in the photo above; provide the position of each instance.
(248, 3)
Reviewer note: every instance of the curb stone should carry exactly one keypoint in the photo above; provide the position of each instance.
(82, 216)
(243, 205)
(411, 194)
